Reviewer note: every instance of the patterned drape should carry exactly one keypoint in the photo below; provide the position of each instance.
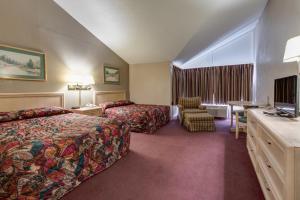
(213, 84)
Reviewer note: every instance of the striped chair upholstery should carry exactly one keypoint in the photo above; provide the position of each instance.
(190, 105)
(189, 102)
(196, 122)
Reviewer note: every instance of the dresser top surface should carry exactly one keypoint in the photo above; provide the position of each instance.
(285, 129)
(87, 108)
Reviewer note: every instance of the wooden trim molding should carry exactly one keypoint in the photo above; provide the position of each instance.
(17, 101)
(104, 96)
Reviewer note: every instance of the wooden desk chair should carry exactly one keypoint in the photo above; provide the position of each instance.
(240, 123)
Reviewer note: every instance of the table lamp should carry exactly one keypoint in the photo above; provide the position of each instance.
(292, 51)
(79, 83)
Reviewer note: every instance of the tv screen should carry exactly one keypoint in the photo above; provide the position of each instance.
(286, 95)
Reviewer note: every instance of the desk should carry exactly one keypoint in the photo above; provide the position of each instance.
(241, 103)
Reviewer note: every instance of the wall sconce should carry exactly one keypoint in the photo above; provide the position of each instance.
(77, 86)
(79, 83)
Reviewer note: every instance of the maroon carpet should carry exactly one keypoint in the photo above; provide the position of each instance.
(175, 164)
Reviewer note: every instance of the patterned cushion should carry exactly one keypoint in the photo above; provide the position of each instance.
(194, 110)
(200, 126)
(199, 122)
(195, 117)
(8, 116)
(243, 119)
(112, 104)
(189, 102)
(41, 112)
(106, 105)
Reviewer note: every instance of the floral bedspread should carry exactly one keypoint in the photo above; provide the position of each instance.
(141, 118)
(46, 157)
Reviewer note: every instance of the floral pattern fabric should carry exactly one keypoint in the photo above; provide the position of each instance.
(46, 157)
(41, 112)
(112, 104)
(141, 118)
(8, 116)
(32, 113)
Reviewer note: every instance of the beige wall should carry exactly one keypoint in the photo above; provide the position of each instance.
(150, 83)
(280, 21)
(69, 47)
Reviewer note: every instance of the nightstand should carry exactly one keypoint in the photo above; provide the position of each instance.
(92, 111)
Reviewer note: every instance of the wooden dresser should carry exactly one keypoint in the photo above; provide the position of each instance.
(274, 147)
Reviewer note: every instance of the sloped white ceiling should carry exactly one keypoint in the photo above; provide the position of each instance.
(148, 31)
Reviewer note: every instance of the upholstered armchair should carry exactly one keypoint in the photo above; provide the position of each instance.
(190, 105)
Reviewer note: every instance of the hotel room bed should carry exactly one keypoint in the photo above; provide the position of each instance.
(140, 117)
(45, 153)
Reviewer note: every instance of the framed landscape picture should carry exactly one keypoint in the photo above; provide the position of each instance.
(22, 64)
(111, 75)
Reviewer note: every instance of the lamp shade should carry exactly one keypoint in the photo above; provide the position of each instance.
(81, 79)
(292, 50)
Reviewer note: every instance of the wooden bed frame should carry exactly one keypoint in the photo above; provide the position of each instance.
(104, 96)
(18, 101)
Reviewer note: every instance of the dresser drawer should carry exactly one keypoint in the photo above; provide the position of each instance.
(252, 134)
(265, 186)
(272, 149)
(251, 122)
(92, 112)
(252, 154)
(251, 142)
(274, 180)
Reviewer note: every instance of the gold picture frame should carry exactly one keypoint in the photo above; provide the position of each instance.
(22, 64)
(111, 75)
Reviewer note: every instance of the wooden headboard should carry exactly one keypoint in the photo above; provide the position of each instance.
(104, 96)
(18, 101)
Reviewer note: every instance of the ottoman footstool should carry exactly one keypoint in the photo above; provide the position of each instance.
(196, 122)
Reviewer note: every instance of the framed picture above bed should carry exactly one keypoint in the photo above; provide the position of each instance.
(21, 64)
(111, 75)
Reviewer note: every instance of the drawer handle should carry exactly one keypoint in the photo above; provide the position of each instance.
(269, 143)
(268, 189)
(269, 166)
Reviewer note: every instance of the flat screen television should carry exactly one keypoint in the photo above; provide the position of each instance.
(286, 96)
